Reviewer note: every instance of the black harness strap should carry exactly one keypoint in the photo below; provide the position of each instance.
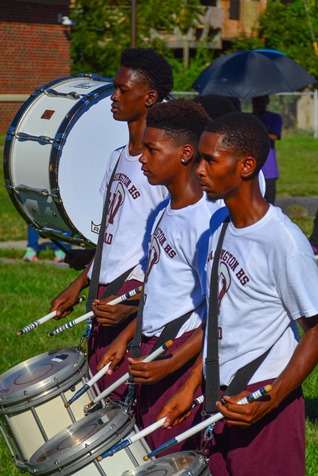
(93, 288)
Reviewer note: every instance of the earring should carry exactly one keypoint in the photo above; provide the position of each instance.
(183, 160)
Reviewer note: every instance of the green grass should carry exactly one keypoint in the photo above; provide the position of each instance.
(27, 289)
(26, 292)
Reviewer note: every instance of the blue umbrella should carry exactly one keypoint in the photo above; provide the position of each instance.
(251, 73)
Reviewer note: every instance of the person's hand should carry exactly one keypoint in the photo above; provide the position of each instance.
(150, 372)
(64, 302)
(114, 354)
(112, 315)
(247, 414)
(178, 408)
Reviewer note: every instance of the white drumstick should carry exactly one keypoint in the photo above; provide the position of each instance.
(87, 385)
(90, 314)
(125, 377)
(42, 320)
(209, 421)
(141, 434)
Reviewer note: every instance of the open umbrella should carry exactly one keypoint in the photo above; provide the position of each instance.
(251, 73)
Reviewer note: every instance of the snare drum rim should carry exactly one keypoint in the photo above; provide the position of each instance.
(82, 455)
(197, 467)
(36, 394)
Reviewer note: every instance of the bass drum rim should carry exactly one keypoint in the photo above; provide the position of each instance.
(76, 236)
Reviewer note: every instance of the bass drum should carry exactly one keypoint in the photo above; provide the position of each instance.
(184, 463)
(55, 157)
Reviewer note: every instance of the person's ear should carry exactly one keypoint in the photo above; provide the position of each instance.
(187, 154)
(151, 98)
(248, 167)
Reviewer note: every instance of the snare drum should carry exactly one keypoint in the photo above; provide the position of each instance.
(184, 463)
(55, 156)
(75, 449)
(32, 397)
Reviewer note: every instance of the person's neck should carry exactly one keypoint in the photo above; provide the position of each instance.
(136, 130)
(185, 193)
(247, 207)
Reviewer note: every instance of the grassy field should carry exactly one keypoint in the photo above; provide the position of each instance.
(27, 289)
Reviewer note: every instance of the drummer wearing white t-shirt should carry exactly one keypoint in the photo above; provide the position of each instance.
(268, 281)
(173, 287)
(144, 77)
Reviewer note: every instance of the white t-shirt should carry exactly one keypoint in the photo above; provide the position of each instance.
(268, 278)
(132, 209)
(172, 287)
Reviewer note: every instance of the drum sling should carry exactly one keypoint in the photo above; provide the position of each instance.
(243, 375)
(115, 285)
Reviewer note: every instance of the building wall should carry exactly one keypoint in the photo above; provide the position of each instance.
(35, 50)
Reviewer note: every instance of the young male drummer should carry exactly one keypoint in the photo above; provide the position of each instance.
(268, 281)
(173, 285)
(144, 77)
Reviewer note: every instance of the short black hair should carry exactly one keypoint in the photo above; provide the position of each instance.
(181, 119)
(244, 134)
(152, 67)
(215, 105)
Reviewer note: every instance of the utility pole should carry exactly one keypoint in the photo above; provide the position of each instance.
(133, 23)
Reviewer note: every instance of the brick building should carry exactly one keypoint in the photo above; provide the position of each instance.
(35, 49)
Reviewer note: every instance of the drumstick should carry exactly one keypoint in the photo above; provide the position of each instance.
(209, 421)
(141, 434)
(87, 386)
(123, 379)
(90, 314)
(43, 319)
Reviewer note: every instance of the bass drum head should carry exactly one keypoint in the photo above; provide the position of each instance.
(55, 156)
(40, 378)
(82, 442)
(183, 463)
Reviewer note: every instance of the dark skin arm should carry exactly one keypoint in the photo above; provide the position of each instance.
(117, 349)
(178, 408)
(303, 361)
(114, 314)
(64, 302)
(152, 372)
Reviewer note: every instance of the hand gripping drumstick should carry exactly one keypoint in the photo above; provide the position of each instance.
(209, 421)
(125, 377)
(90, 314)
(88, 385)
(43, 319)
(146, 431)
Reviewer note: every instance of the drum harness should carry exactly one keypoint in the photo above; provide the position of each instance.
(243, 375)
(169, 331)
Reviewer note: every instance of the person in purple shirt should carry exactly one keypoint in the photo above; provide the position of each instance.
(273, 122)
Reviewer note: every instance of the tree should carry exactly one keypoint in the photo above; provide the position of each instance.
(103, 29)
(286, 26)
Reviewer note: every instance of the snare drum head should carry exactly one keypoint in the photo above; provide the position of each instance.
(56, 152)
(183, 463)
(40, 377)
(82, 441)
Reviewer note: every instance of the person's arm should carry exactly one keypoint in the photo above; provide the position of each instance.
(64, 302)
(117, 349)
(114, 314)
(152, 372)
(178, 408)
(303, 361)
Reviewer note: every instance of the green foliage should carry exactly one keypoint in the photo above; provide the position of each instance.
(103, 30)
(288, 28)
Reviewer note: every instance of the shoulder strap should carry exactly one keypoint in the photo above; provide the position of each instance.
(212, 358)
(93, 288)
